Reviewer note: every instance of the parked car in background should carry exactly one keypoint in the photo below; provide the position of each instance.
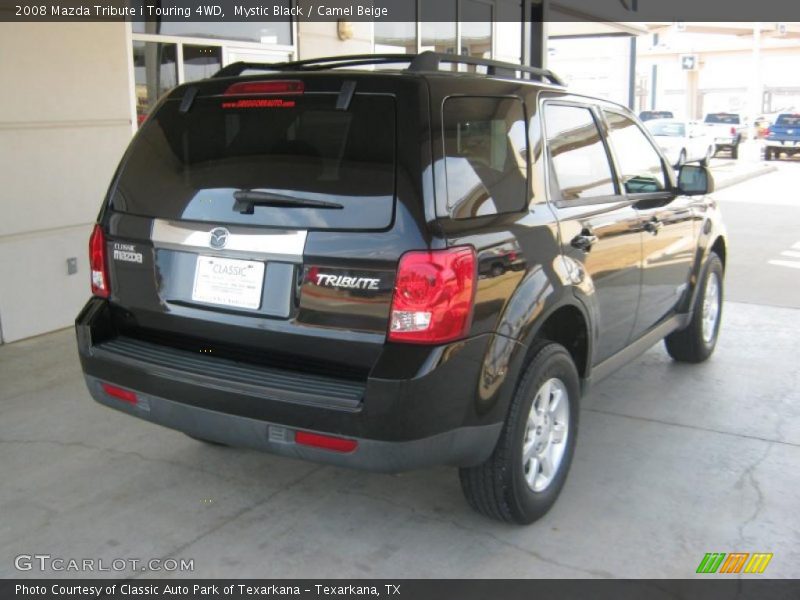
(682, 141)
(783, 136)
(649, 115)
(728, 131)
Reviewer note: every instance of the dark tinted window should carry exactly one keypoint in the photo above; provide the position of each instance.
(788, 120)
(640, 165)
(580, 167)
(724, 118)
(486, 153)
(188, 166)
(647, 115)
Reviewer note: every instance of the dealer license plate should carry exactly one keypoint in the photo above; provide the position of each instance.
(228, 282)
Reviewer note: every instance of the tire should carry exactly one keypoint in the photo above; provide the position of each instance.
(735, 151)
(697, 341)
(499, 487)
(706, 160)
(767, 154)
(681, 159)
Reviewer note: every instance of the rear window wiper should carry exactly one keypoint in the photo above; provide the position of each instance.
(247, 200)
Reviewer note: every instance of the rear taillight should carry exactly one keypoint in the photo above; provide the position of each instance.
(433, 296)
(98, 263)
(733, 130)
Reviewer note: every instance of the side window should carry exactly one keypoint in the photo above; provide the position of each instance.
(486, 156)
(640, 165)
(580, 167)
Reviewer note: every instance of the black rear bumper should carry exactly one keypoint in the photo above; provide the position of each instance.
(435, 417)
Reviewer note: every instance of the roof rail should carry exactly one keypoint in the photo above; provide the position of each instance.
(314, 64)
(424, 62)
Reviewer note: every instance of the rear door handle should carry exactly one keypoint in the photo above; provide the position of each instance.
(653, 225)
(584, 241)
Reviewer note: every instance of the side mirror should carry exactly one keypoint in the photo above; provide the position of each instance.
(695, 180)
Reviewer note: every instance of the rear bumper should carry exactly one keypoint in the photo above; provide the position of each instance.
(726, 142)
(465, 445)
(436, 417)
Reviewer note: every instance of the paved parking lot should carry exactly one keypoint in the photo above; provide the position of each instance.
(673, 461)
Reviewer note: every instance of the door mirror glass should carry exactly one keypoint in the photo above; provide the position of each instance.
(695, 180)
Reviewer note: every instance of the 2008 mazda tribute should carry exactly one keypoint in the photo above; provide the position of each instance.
(424, 263)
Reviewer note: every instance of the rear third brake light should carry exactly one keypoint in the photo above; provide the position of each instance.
(264, 88)
(98, 262)
(433, 296)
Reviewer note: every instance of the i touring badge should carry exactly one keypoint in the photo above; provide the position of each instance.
(127, 253)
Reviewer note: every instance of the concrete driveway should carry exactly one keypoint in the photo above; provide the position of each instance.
(673, 461)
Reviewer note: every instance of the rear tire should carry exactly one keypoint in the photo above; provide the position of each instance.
(697, 341)
(523, 477)
(735, 152)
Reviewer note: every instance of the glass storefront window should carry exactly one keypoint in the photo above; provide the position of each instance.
(261, 32)
(155, 68)
(200, 62)
(395, 37)
(476, 28)
(439, 26)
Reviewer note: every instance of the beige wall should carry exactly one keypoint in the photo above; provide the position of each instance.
(65, 119)
(321, 39)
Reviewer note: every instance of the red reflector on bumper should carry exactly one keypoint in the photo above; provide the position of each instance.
(119, 393)
(325, 442)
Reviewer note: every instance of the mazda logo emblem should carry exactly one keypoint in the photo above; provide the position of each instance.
(219, 237)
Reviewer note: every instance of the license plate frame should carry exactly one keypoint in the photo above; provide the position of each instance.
(228, 282)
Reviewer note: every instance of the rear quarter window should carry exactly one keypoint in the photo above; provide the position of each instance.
(486, 156)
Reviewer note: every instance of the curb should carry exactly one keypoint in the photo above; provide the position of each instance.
(728, 182)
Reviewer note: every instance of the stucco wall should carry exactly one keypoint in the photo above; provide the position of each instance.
(65, 119)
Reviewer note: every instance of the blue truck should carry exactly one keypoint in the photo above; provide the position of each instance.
(783, 137)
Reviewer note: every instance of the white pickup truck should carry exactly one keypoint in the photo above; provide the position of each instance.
(728, 130)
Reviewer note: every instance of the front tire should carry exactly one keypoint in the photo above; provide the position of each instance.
(697, 341)
(707, 158)
(523, 477)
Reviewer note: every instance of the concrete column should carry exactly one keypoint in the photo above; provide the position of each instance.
(64, 123)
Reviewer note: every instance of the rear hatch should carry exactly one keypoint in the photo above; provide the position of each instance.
(257, 219)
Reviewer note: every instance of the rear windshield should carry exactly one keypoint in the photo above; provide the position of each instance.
(648, 115)
(723, 118)
(788, 120)
(667, 129)
(299, 148)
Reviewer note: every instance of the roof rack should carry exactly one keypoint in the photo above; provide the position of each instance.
(423, 62)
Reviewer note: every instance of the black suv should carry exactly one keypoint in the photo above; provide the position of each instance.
(396, 267)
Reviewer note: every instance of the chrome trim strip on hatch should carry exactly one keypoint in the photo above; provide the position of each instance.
(246, 241)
